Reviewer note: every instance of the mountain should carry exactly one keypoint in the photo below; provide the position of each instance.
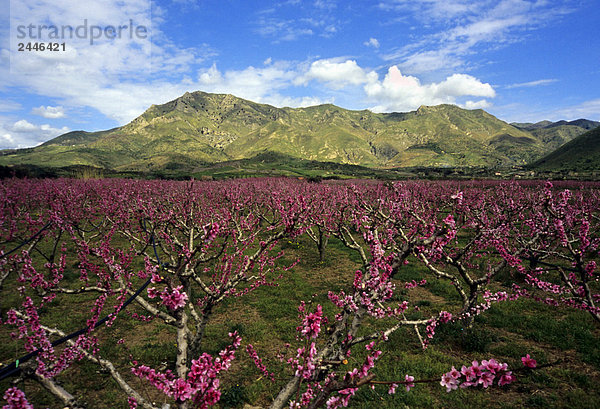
(580, 154)
(555, 134)
(199, 129)
(531, 126)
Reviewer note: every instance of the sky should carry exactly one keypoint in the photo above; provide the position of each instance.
(110, 60)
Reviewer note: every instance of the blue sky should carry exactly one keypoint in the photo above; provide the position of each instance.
(520, 60)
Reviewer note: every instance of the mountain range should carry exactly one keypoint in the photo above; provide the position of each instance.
(582, 154)
(200, 129)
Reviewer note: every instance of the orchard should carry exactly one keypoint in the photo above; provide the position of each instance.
(281, 293)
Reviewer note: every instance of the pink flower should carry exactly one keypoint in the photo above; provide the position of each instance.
(491, 365)
(152, 292)
(174, 299)
(506, 378)
(449, 382)
(132, 403)
(458, 197)
(486, 379)
(476, 368)
(529, 362)
(445, 317)
(449, 221)
(469, 373)
(311, 324)
(392, 389)
(182, 390)
(16, 399)
(409, 382)
(454, 373)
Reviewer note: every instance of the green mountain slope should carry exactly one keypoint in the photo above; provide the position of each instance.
(200, 128)
(555, 134)
(581, 154)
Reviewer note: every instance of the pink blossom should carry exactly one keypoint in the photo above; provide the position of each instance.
(445, 317)
(449, 382)
(469, 373)
(132, 402)
(174, 298)
(529, 362)
(182, 390)
(476, 368)
(152, 292)
(491, 365)
(16, 399)
(409, 382)
(311, 324)
(486, 379)
(258, 362)
(506, 378)
(454, 373)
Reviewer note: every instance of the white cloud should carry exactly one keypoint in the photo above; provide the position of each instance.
(373, 42)
(395, 92)
(481, 104)
(326, 4)
(118, 78)
(7, 105)
(282, 30)
(49, 112)
(337, 74)
(460, 28)
(316, 18)
(587, 110)
(23, 126)
(430, 10)
(23, 133)
(458, 85)
(7, 141)
(486, 30)
(398, 92)
(532, 83)
(256, 84)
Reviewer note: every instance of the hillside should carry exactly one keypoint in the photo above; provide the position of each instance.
(199, 129)
(555, 134)
(581, 154)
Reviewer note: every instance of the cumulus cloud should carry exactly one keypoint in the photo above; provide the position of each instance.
(398, 92)
(23, 126)
(120, 78)
(262, 85)
(458, 85)
(481, 104)
(49, 112)
(337, 74)
(373, 42)
(22, 133)
(7, 141)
